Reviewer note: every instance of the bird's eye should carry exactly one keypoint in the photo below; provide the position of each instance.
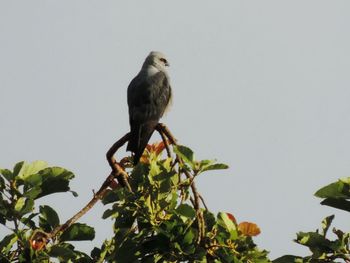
(163, 60)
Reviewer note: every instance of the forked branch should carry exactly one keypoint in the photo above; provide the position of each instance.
(118, 173)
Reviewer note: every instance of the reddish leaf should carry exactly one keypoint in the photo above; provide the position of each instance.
(231, 216)
(156, 148)
(38, 240)
(38, 244)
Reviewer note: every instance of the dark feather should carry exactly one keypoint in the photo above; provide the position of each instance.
(147, 101)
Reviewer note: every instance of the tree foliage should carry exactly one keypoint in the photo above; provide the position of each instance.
(321, 246)
(157, 222)
(28, 224)
(162, 218)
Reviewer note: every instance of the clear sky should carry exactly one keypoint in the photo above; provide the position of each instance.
(263, 86)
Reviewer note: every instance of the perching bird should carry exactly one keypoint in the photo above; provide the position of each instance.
(149, 94)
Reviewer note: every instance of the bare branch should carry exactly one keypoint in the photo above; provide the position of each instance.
(99, 195)
(117, 169)
(162, 129)
(117, 173)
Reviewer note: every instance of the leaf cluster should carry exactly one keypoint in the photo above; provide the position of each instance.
(159, 221)
(324, 249)
(29, 225)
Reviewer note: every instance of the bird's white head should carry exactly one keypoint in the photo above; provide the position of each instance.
(156, 59)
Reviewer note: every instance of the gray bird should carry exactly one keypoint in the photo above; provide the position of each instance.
(149, 95)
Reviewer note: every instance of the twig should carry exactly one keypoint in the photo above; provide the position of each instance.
(196, 205)
(166, 144)
(202, 199)
(165, 132)
(99, 195)
(162, 129)
(117, 172)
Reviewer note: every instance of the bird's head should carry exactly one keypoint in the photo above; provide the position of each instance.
(156, 59)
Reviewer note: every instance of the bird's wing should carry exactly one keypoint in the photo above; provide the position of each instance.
(148, 98)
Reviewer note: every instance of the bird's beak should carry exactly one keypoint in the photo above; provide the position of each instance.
(167, 64)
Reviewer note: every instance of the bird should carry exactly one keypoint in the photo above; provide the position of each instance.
(149, 94)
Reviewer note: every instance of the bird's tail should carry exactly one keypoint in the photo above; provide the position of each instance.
(139, 138)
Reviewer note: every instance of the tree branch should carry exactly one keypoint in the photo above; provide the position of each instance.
(97, 196)
(121, 176)
(117, 173)
(165, 133)
(117, 169)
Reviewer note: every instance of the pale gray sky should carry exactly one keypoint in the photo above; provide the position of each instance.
(260, 85)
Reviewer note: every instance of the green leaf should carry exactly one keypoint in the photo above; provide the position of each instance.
(288, 259)
(110, 197)
(65, 252)
(314, 240)
(4, 210)
(200, 255)
(7, 174)
(98, 254)
(185, 153)
(337, 203)
(165, 186)
(108, 213)
(326, 223)
(216, 166)
(61, 251)
(339, 190)
(210, 219)
(7, 243)
(75, 194)
(29, 169)
(189, 238)
(39, 182)
(33, 180)
(127, 251)
(20, 203)
(78, 232)
(48, 218)
(33, 193)
(226, 222)
(24, 205)
(171, 200)
(154, 170)
(54, 180)
(186, 211)
(17, 169)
